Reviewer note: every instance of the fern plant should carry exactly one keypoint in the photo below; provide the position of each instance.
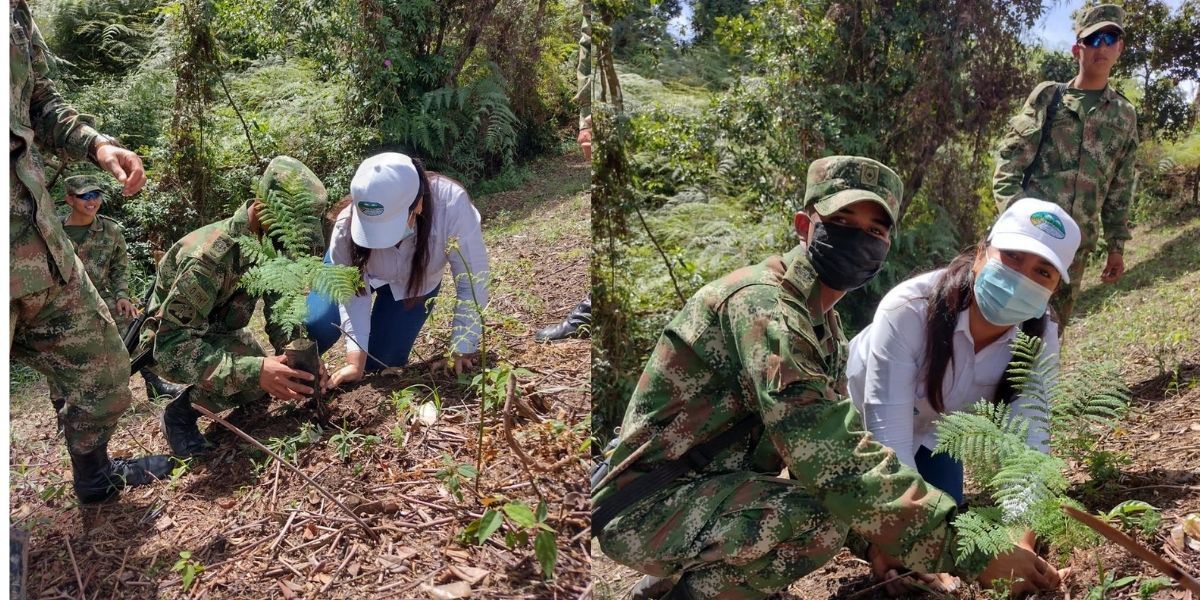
(1027, 486)
(284, 264)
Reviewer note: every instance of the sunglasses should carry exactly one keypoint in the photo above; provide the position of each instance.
(1106, 38)
(88, 196)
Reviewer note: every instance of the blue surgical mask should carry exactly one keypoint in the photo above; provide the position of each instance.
(1006, 297)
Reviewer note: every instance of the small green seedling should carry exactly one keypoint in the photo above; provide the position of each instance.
(454, 474)
(187, 568)
(519, 522)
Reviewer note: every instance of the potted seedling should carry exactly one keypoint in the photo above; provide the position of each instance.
(288, 266)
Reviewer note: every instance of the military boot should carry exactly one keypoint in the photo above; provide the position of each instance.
(99, 478)
(157, 387)
(575, 325)
(180, 429)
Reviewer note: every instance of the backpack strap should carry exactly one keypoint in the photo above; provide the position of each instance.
(1047, 122)
(694, 459)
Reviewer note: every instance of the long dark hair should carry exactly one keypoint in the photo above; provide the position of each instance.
(953, 293)
(360, 255)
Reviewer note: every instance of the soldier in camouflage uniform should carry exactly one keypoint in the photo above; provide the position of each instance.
(198, 318)
(749, 378)
(100, 244)
(1085, 164)
(58, 323)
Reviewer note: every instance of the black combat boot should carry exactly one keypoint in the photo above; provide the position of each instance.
(180, 429)
(99, 478)
(575, 325)
(157, 387)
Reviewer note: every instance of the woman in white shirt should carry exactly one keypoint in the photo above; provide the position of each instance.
(397, 228)
(954, 326)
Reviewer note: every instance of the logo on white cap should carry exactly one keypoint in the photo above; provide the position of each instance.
(371, 209)
(1049, 223)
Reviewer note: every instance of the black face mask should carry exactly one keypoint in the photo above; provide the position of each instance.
(845, 258)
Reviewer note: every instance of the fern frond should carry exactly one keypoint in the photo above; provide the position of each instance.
(980, 531)
(337, 283)
(981, 439)
(1026, 479)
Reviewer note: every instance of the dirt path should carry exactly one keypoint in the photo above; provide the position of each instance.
(258, 532)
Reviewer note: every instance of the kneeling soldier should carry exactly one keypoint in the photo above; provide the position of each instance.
(749, 378)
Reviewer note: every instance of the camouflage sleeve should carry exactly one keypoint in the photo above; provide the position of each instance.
(56, 125)
(1114, 214)
(583, 68)
(180, 346)
(821, 439)
(118, 272)
(1018, 147)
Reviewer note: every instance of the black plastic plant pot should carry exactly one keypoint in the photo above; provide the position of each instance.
(302, 355)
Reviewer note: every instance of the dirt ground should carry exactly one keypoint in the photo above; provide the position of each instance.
(256, 530)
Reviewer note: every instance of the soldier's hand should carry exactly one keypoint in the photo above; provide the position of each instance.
(887, 569)
(282, 381)
(324, 379)
(125, 308)
(1114, 268)
(124, 164)
(1021, 565)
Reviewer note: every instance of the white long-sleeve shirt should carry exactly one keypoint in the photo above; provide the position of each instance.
(886, 372)
(453, 217)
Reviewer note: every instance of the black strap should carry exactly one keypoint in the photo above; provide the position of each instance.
(693, 460)
(1047, 122)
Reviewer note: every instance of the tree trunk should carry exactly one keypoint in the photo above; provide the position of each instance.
(470, 42)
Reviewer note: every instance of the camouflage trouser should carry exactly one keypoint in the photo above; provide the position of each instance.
(737, 535)
(66, 333)
(240, 343)
(1064, 298)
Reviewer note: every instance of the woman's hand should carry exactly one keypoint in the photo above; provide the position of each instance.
(459, 363)
(1024, 567)
(356, 362)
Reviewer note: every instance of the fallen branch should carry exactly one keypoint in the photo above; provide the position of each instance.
(510, 394)
(1187, 581)
(75, 566)
(245, 436)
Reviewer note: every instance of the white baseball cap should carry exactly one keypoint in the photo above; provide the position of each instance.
(1040, 227)
(383, 189)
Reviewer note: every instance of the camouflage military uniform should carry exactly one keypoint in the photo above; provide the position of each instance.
(58, 323)
(106, 261)
(1086, 167)
(749, 345)
(199, 311)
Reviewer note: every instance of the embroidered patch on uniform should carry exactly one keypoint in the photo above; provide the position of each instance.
(371, 209)
(182, 306)
(868, 174)
(1049, 224)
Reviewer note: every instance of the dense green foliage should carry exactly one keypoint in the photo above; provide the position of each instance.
(208, 91)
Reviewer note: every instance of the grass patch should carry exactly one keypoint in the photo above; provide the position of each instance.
(641, 92)
(1149, 320)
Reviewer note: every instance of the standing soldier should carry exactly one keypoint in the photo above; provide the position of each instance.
(578, 321)
(100, 244)
(199, 312)
(58, 324)
(749, 378)
(1073, 144)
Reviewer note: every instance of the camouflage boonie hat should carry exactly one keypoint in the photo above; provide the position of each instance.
(82, 184)
(835, 182)
(282, 167)
(1094, 19)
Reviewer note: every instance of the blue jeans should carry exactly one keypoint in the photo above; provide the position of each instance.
(941, 471)
(394, 325)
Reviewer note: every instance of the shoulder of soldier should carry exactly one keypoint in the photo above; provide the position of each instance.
(111, 224)
(1041, 94)
(1123, 103)
(211, 243)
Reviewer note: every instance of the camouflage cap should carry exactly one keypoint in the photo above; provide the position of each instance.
(82, 184)
(1091, 20)
(835, 182)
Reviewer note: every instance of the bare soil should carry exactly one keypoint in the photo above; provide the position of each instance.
(264, 533)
